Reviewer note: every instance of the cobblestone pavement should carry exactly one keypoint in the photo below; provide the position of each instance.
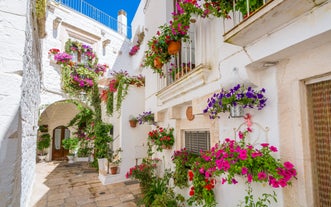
(77, 184)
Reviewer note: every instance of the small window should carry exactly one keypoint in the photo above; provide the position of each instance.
(197, 140)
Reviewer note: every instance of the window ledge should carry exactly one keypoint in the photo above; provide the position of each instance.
(188, 82)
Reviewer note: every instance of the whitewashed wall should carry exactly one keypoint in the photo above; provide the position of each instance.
(301, 54)
(19, 99)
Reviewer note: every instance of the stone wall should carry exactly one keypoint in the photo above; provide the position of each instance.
(19, 98)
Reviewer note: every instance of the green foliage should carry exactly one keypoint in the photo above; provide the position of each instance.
(110, 103)
(96, 103)
(43, 142)
(263, 201)
(70, 144)
(183, 160)
(83, 118)
(102, 139)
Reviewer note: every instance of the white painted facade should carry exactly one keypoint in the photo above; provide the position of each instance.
(19, 100)
(294, 36)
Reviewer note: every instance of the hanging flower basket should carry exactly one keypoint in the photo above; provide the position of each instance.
(237, 111)
(173, 47)
(158, 63)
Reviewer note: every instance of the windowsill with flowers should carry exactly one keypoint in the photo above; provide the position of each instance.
(239, 95)
(232, 158)
(78, 76)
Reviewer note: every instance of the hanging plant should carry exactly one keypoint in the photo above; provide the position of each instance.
(81, 75)
(119, 85)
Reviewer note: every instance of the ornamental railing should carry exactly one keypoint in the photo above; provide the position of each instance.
(180, 65)
(88, 10)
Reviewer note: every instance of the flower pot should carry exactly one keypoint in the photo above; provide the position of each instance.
(133, 123)
(41, 158)
(173, 47)
(158, 63)
(236, 111)
(166, 147)
(113, 170)
(70, 158)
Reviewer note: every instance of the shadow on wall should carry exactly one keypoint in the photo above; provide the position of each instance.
(10, 164)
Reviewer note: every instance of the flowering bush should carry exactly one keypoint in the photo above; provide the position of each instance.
(237, 158)
(134, 50)
(183, 160)
(238, 95)
(146, 117)
(136, 47)
(62, 58)
(162, 138)
(143, 172)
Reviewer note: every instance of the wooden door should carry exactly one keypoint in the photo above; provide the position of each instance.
(58, 152)
(319, 99)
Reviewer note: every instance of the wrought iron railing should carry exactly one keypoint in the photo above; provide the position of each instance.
(242, 10)
(180, 65)
(88, 10)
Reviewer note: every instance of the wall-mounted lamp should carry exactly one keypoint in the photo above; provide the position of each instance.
(56, 22)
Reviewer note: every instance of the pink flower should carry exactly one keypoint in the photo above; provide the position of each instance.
(288, 165)
(223, 180)
(234, 181)
(244, 170)
(261, 175)
(264, 144)
(249, 178)
(273, 149)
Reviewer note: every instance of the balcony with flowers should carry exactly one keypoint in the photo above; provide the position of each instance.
(249, 20)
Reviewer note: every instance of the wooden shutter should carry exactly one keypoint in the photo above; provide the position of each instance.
(319, 100)
(197, 140)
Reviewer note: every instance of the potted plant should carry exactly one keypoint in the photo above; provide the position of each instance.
(133, 121)
(43, 143)
(146, 117)
(114, 160)
(162, 138)
(71, 144)
(238, 96)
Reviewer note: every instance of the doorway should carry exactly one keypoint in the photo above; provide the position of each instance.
(58, 152)
(319, 106)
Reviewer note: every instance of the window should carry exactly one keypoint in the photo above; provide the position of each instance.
(197, 140)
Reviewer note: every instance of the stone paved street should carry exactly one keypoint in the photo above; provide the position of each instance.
(77, 184)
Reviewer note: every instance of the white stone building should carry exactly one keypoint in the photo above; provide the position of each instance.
(285, 48)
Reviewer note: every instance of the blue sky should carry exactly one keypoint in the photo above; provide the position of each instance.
(111, 7)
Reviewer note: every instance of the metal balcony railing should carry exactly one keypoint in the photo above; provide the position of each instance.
(241, 11)
(88, 10)
(180, 65)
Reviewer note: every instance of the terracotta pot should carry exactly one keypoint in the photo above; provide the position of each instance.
(133, 123)
(158, 63)
(113, 170)
(166, 147)
(173, 47)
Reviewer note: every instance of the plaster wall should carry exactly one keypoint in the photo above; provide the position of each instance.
(63, 23)
(299, 54)
(19, 98)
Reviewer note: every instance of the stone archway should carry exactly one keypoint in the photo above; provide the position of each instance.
(57, 115)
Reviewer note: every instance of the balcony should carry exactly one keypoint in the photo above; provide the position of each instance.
(273, 14)
(181, 73)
